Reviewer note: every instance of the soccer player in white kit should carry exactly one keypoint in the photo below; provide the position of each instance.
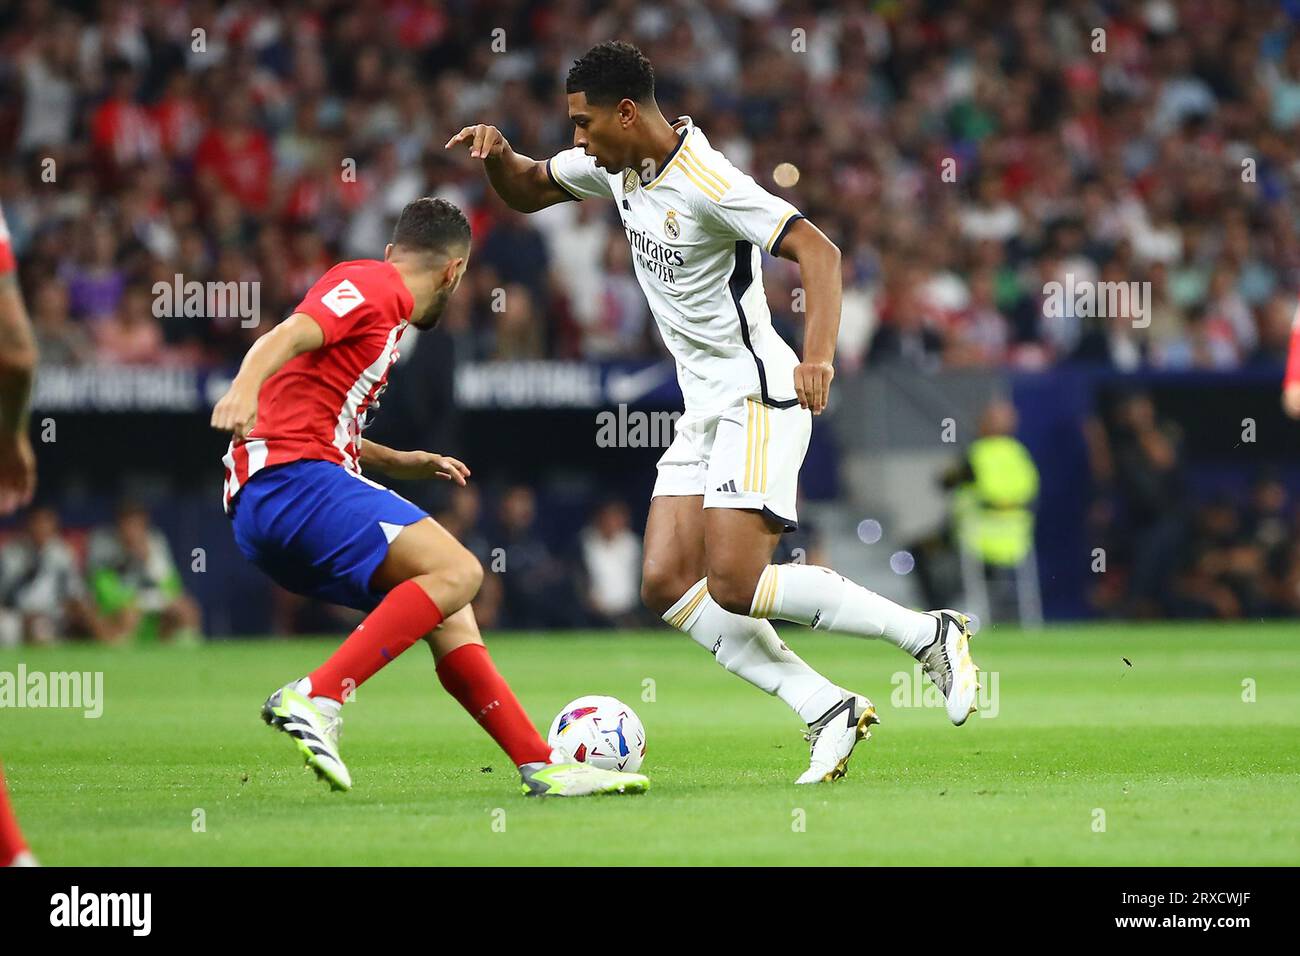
(726, 490)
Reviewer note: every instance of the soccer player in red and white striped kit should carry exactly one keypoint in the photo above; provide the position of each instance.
(303, 512)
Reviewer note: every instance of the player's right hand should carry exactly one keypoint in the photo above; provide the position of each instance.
(484, 141)
(236, 412)
(812, 385)
(1291, 400)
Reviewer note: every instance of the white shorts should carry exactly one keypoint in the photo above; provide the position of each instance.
(748, 457)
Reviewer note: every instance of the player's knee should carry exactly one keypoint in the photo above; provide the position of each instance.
(661, 588)
(455, 581)
(470, 571)
(733, 591)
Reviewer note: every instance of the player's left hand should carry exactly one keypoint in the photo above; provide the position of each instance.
(17, 473)
(812, 384)
(417, 465)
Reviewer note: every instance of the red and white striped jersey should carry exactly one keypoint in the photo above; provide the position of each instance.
(315, 406)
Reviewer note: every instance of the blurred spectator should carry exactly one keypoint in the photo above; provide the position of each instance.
(1200, 347)
(135, 583)
(516, 251)
(1136, 463)
(42, 594)
(611, 557)
(131, 336)
(95, 282)
(59, 340)
(520, 333)
(1220, 574)
(121, 129)
(538, 587)
(234, 156)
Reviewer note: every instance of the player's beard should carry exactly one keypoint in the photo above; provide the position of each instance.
(433, 313)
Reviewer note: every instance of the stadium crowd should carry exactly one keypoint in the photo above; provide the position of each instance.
(963, 155)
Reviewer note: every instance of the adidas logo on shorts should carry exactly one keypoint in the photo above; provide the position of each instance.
(728, 486)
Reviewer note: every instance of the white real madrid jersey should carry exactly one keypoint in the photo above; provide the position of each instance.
(698, 231)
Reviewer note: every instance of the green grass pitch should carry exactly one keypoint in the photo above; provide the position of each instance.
(1089, 760)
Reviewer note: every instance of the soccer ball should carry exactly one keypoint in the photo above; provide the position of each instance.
(601, 731)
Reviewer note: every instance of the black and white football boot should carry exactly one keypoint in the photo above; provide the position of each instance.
(948, 663)
(833, 735)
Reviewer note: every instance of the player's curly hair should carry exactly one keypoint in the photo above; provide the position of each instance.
(611, 72)
(432, 225)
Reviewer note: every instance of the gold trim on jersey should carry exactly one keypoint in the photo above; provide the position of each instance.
(710, 183)
(707, 181)
(690, 172)
(749, 440)
(779, 226)
(709, 173)
(758, 430)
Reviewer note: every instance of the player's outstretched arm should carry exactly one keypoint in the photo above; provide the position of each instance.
(819, 272)
(237, 410)
(522, 183)
(412, 465)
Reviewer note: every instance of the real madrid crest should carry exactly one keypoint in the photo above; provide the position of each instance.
(671, 229)
(629, 181)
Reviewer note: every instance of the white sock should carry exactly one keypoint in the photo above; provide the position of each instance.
(326, 705)
(750, 649)
(807, 594)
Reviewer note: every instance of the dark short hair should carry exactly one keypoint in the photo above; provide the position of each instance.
(431, 225)
(611, 72)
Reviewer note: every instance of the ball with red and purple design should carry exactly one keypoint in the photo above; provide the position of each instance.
(601, 731)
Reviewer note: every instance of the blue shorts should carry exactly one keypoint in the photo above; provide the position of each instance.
(320, 530)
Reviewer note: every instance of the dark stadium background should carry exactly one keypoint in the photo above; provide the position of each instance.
(224, 164)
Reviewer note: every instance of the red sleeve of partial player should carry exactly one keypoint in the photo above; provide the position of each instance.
(1293, 360)
(336, 302)
(354, 295)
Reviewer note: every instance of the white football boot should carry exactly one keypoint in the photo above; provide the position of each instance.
(834, 734)
(948, 662)
(314, 724)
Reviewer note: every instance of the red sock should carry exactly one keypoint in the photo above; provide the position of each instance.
(405, 615)
(470, 676)
(11, 838)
